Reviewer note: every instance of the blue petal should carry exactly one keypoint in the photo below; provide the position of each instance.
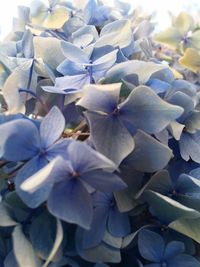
(10, 260)
(117, 33)
(69, 84)
(19, 140)
(99, 52)
(173, 248)
(118, 223)
(85, 36)
(54, 172)
(33, 166)
(131, 81)
(109, 136)
(68, 67)
(94, 236)
(6, 118)
(58, 149)
(158, 86)
(195, 173)
(149, 155)
(187, 184)
(102, 199)
(94, 14)
(27, 44)
(160, 182)
(150, 245)
(103, 181)
(74, 54)
(190, 146)
(70, 201)
(51, 127)
(147, 111)
(183, 100)
(100, 253)
(105, 62)
(143, 69)
(94, 160)
(184, 86)
(184, 260)
(100, 97)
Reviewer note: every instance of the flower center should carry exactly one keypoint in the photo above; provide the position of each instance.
(42, 151)
(115, 111)
(75, 174)
(50, 9)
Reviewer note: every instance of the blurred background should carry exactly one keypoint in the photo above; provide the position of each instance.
(9, 10)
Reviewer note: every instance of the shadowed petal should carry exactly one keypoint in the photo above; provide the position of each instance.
(109, 136)
(94, 236)
(149, 155)
(55, 171)
(100, 97)
(150, 245)
(118, 223)
(103, 181)
(31, 168)
(70, 201)
(19, 140)
(184, 260)
(147, 111)
(52, 127)
(77, 152)
(73, 53)
(173, 248)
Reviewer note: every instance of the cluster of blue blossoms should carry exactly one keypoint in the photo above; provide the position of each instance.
(99, 140)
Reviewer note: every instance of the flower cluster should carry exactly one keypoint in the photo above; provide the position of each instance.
(99, 138)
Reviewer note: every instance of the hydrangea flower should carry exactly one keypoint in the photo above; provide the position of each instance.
(106, 217)
(181, 34)
(72, 182)
(153, 248)
(50, 14)
(81, 184)
(108, 117)
(21, 140)
(82, 67)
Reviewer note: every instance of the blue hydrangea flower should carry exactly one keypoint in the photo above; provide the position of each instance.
(153, 248)
(21, 140)
(73, 181)
(106, 217)
(119, 121)
(81, 67)
(184, 94)
(185, 189)
(95, 13)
